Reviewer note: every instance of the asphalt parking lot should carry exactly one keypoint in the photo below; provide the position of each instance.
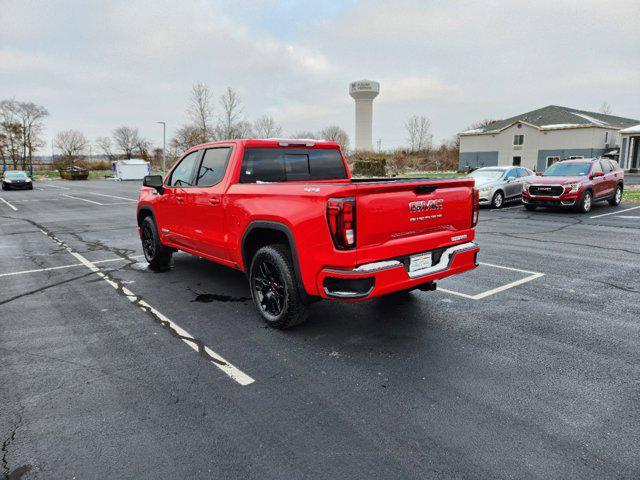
(528, 367)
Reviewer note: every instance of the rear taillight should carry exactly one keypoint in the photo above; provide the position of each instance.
(475, 212)
(341, 216)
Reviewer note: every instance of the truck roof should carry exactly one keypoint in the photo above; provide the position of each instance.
(275, 143)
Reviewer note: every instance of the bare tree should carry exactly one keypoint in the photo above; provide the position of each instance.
(419, 137)
(129, 141)
(334, 133)
(106, 147)
(231, 116)
(266, 127)
(482, 123)
(12, 133)
(605, 108)
(200, 111)
(32, 117)
(305, 134)
(243, 129)
(185, 138)
(22, 124)
(71, 144)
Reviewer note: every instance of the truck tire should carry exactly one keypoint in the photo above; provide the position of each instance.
(586, 202)
(498, 200)
(274, 287)
(617, 197)
(158, 256)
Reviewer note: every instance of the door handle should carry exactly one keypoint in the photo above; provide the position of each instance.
(214, 201)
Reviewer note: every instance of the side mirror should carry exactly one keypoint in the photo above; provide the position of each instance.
(597, 174)
(154, 181)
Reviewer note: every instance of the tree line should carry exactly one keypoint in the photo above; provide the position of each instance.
(21, 131)
(209, 118)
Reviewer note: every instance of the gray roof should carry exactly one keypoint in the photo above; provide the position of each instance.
(555, 117)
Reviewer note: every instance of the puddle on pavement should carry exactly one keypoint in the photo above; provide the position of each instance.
(214, 297)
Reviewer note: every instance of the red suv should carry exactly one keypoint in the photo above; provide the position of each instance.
(576, 184)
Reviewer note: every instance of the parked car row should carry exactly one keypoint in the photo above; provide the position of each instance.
(576, 184)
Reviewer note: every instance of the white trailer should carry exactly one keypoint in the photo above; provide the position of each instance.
(133, 169)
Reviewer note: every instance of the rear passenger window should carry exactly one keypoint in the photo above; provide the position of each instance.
(182, 175)
(213, 166)
(523, 172)
(606, 166)
(280, 164)
(597, 167)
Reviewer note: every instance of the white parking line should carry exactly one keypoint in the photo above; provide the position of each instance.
(493, 291)
(56, 186)
(36, 270)
(112, 196)
(232, 371)
(4, 201)
(629, 216)
(83, 199)
(614, 213)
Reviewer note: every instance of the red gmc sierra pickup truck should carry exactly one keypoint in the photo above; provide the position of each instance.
(289, 214)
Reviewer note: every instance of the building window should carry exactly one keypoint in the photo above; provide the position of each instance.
(552, 160)
(606, 137)
(517, 161)
(518, 140)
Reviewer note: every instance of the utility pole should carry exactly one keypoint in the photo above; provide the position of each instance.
(164, 146)
(24, 143)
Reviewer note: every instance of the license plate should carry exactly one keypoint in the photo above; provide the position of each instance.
(419, 262)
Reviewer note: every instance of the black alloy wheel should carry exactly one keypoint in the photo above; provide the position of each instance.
(269, 286)
(274, 287)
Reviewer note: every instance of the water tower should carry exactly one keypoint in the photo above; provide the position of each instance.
(363, 92)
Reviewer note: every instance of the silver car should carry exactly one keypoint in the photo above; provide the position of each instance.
(498, 185)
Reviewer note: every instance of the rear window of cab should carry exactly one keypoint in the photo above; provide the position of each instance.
(289, 164)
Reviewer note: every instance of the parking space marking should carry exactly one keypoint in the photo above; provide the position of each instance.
(629, 216)
(4, 201)
(493, 291)
(60, 267)
(229, 369)
(56, 186)
(112, 196)
(83, 199)
(614, 213)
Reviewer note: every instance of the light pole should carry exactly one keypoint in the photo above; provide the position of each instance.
(164, 145)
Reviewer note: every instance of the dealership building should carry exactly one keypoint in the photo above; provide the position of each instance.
(541, 137)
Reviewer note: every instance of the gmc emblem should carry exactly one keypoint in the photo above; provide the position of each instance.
(423, 206)
(544, 188)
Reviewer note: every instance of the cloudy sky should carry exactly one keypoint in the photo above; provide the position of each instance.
(96, 65)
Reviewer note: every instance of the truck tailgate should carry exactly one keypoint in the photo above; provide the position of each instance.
(411, 216)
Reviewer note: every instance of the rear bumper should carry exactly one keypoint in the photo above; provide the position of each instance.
(388, 276)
